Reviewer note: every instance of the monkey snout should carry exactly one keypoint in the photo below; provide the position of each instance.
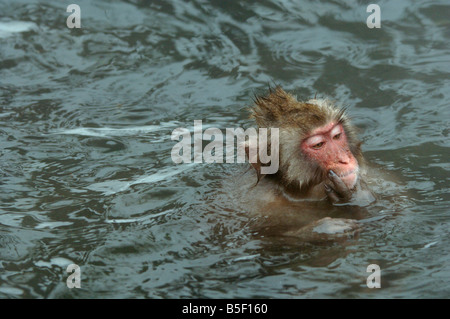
(349, 177)
(343, 158)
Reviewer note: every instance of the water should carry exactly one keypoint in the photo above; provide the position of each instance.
(86, 175)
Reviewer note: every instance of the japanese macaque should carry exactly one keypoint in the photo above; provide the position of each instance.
(320, 163)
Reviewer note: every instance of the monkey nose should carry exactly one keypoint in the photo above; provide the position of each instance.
(343, 158)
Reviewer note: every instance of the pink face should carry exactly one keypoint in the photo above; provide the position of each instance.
(328, 146)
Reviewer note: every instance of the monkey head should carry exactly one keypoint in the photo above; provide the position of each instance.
(315, 138)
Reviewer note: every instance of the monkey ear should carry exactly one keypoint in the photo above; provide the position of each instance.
(251, 151)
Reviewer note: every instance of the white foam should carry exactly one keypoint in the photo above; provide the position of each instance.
(106, 131)
(114, 186)
(429, 245)
(8, 28)
(142, 219)
(52, 225)
(55, 261)
(128, 131)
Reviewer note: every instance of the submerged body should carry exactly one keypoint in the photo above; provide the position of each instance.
(321, 164)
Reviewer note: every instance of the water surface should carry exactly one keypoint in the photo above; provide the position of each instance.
(86, 175)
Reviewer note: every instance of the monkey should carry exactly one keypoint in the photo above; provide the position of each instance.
(320, 163)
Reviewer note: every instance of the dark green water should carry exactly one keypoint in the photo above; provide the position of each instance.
(86, 175)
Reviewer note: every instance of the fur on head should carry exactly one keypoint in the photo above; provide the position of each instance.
(295, 121)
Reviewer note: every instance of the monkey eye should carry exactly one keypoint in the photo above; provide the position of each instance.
(318, 145)
(337, 136)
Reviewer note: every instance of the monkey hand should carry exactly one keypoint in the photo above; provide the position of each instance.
(339, 192)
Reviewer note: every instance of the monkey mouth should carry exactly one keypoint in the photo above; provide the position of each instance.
(353, 171)
(350, 177)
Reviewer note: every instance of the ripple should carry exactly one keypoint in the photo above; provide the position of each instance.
(9, 28)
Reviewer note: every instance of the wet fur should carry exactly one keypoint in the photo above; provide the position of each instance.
(295, 120)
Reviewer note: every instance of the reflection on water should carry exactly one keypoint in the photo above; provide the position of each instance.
(86, 175)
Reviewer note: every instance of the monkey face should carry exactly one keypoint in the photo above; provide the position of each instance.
(328, 147)
(315, 137)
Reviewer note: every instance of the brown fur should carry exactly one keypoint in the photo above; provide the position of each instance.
(295, 121)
